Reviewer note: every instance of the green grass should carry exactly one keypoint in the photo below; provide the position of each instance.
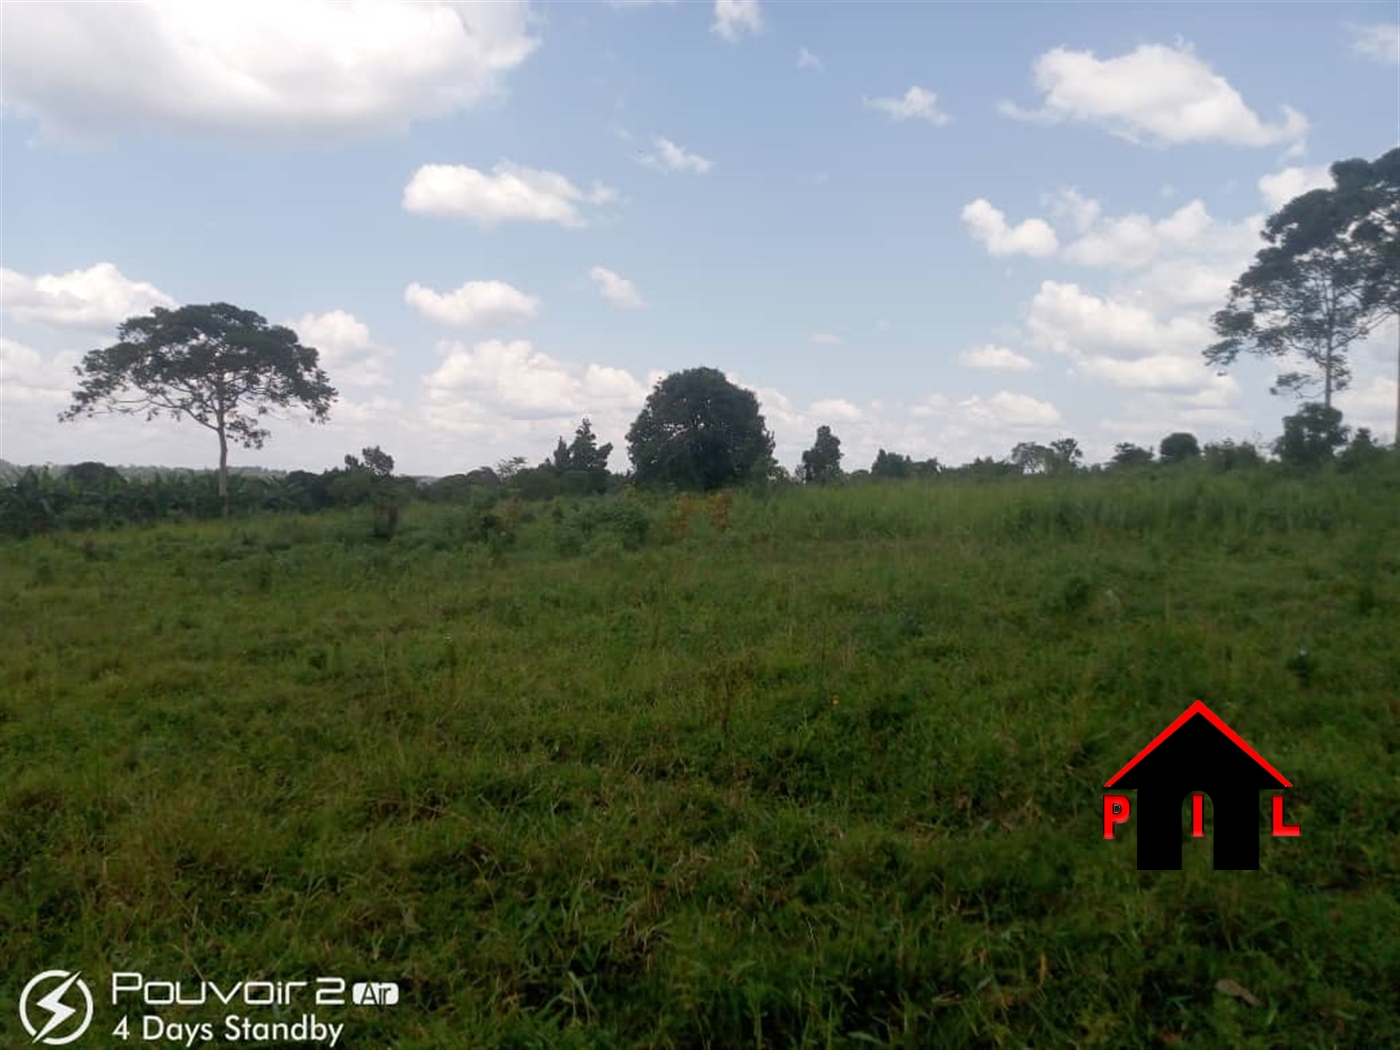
(829, 778)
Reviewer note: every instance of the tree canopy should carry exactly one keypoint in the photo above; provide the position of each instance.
(1330, 272)
(698, 430)
(822, 462)
(223, 367)
(1179, 447)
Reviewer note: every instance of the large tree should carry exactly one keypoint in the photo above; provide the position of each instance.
(698, 430)
(222, 367)
(1359, 218)
(1325, 281)
(822, 462)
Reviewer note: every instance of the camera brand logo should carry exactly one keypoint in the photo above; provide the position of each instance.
(1199, 755)
(55, 1012)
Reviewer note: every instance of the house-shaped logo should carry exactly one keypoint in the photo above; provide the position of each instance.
(1198, 754)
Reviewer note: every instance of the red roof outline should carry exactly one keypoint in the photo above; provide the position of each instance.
(1199, 708)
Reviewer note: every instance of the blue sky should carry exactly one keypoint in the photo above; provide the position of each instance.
(938, 228)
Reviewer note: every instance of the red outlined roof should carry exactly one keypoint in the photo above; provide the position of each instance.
(1199, 708)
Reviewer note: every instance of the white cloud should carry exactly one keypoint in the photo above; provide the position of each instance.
(671, 157)
(27, 378)
(1164, 372)
(1069, 204)
(1155, 94)
(1371, 406)
(734, 18)
(917, 103)
(475, 303)
(1006, 409)
(511, 193)
(807, 60)
(995, 358)
(93, 300)
(311, 70)
(617, 289)
(347, 353)
(1033, 237)
(515, 381)
(636, 5)
(1131, 241)
(1281, 187)
(1075, 323)
(836, 410)
(1380, 41)
(826, 339)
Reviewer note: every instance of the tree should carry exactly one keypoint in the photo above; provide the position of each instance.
(1032, 458)
(375, 461)
(1311, 435)
(698, 430)
(1362, 452)
(1227, 455)
(585, 453)
(891, 465)
(1126, 454)
(822, 462)
(1360, 218)
(1178, 448)
(1065, 455)
(222, 367)
(1312, 292)
(506, 469)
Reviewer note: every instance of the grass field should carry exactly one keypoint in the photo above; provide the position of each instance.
(828, 777)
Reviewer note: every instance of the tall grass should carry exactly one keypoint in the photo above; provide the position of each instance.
(826, 775)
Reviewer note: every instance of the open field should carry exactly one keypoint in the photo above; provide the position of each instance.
(831, 776)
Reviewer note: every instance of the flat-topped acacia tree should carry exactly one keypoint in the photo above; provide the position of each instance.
(222, 367)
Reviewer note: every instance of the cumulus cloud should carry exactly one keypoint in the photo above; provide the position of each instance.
(1281, 187)
(916, 104)
(1033, 237)
(348, 354)
(995, 358)
(1380, 41)
(516, 381)
(807, 60)
(616, 289)
(306, 71)
(28, 378)
(1070, 205)
(1131, 241)
(474, 304)
(511, 193)
(1186, 258)
(1006, 409)
(93, 300)
(1067, 320)
(836, 410)
(1166, 372)
(734, 18)
(1371, 405)
(671, 157)
(1154, 95)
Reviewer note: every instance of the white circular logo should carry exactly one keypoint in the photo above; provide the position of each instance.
(54, 1012)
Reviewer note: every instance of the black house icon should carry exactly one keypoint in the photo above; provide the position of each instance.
(1198, 752)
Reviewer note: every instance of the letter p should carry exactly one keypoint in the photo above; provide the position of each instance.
(1115, 811)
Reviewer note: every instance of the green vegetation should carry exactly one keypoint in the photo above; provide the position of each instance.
(815, 768)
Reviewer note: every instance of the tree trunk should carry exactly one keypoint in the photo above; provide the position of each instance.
(223, 469)
(1327, 378)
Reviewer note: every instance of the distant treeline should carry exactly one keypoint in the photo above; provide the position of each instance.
(94, 495)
